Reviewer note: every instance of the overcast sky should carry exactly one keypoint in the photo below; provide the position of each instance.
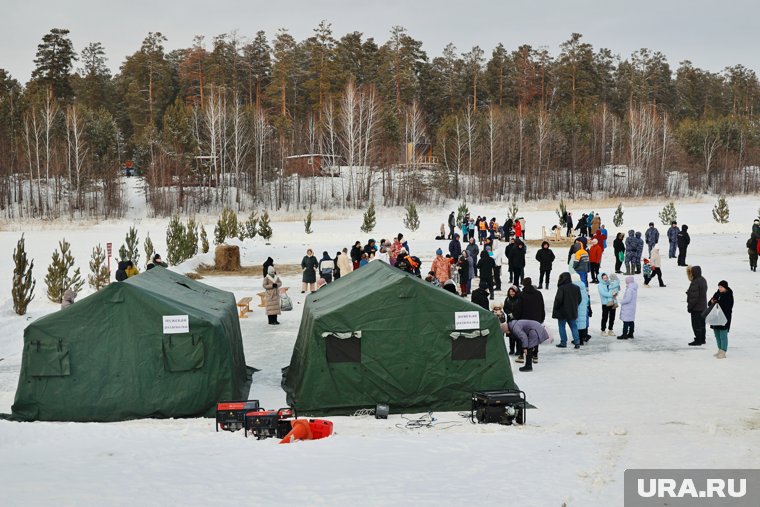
(712, 34)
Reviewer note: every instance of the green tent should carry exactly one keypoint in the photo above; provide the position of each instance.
(158, 344)
(379, 335)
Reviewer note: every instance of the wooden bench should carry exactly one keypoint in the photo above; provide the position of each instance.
(244, 305)
(262, 296)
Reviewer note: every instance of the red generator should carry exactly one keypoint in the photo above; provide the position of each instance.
(268, 423)
(230, 415)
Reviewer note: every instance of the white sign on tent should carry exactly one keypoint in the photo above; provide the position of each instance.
(466, 320)
(176, 324)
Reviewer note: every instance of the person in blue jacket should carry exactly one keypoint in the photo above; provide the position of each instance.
(673, 239)
(609, 288)
(582, 321)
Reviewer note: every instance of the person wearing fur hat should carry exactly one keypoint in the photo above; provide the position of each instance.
(652, 237)
(723, 297)
(628, 308)
(441, 266)
(756, 228)
(672, 239)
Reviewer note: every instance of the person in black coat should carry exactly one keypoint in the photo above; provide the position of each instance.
(545, 258)
(696, 303)
(619, 246)
(512, 311)
(565, 309)
(485, 268)
(724, 297)
(356, 254)
(455, 247)
(480, 297)
(121, 271)
(683, 243)
(517, 261)
(569, 224)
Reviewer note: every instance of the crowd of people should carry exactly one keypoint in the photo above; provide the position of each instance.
(478, 250)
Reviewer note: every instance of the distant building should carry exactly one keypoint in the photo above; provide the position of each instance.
(310, 164)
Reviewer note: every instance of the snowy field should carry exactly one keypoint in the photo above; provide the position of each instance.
(652, 402)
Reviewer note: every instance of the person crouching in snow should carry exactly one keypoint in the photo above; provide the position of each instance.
(724, 298)
(628, 308)
(530, 334)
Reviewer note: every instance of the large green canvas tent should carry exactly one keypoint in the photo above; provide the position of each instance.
(379, 335)
(155, 345)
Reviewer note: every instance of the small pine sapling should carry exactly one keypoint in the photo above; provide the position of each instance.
(617, 218)
(175, 238)
(668, 214)
(412, 219)
(130, 250)
(204, 240)
(462, 211)
(190, 243)
(99, 275)
(265, 230)
(250, 225)
(562, 213)
(58, 280)
(23, 281)
(720, 211)
(307, 223)
(368, 224)
(148, 249)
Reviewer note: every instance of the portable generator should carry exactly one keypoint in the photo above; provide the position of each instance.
(502, 407)
(230, 415)
(268, 423)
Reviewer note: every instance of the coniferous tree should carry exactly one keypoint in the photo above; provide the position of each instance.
(250, 225)
(462, 211)
(307, 223)
(412, 219)
(617, 219)
(148, 249)
(130, 249)
(57, 279)
(204, 240)
(512, 211)
(100, 276)
(176, 236)
(720, 211)
(369, 221)
(265, 230)
(226, 226)
(668, 214)
(190, 243)
(54, 60)
(23, 280)
(561, 212)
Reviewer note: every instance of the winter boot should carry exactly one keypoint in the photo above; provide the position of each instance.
(520, 359)
(721, 354)
(526, 368)
(622, 337)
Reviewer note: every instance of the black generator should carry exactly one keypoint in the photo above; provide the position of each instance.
(503, 407)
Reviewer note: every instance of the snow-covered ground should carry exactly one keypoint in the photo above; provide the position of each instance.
(652, 402)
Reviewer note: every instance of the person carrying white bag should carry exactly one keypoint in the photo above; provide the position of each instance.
(719, 316)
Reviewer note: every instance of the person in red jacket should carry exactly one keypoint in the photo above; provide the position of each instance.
(595, 258)
(518, 229)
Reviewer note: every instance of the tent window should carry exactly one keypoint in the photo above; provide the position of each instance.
(46, 359)
(183, 352)
(464, 349)
(343, 350)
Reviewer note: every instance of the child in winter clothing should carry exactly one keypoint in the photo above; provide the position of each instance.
(628, 308)
(655, 262)
(647, 272)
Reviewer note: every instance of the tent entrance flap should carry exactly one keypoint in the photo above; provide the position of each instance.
(343, 347)
(45, 359)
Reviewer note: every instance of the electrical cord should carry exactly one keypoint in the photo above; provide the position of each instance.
(426, 421)
(364, 411)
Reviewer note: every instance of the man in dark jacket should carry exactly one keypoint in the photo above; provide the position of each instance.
(569, 224)
(683, 244)
(455, 247)
(485, 268)
(545, 258)
(517, 261)
(673, 239)
(565, 309)
(473, 251)
(121, 271)
(696, 303)
(452, 225)
(652, 237)
(508, 249)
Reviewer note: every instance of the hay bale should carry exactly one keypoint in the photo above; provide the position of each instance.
(227, 258)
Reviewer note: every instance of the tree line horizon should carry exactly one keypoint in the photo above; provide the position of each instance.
(212, 124)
